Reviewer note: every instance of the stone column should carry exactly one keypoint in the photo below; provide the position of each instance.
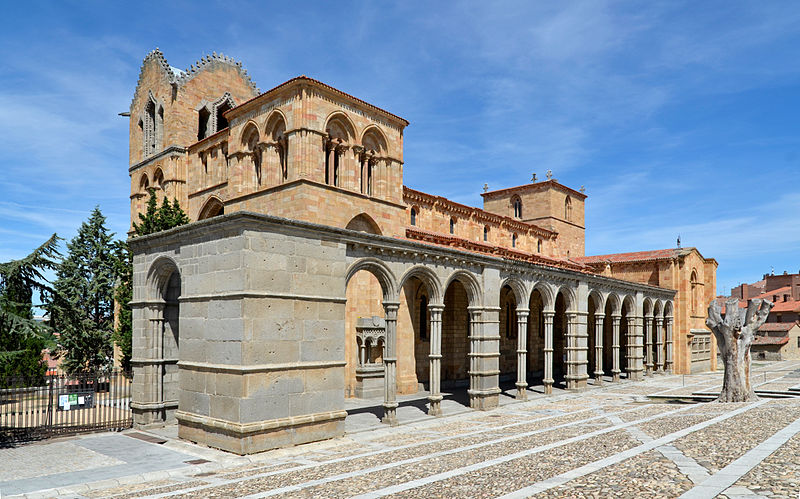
(615, 347)
(668, 323)
(548, 351)
(659, 324)
(571, 347)
(390, 364)
(435, 396)
(329, 163)
(633, 349)
(598, 348)
(484, 357)
(647, 327)
(522, 354)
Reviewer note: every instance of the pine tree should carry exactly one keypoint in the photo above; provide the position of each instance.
(83, 308)
(21, 337)
(149, 222)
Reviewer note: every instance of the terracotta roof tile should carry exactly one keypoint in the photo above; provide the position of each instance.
(777, 326)
(770, 340)
(636, 256)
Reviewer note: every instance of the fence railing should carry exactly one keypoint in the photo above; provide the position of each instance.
(59, 404)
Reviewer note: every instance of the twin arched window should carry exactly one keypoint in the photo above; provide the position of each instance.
(517, 207)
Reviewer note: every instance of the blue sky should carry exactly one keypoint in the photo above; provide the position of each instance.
(679, 118)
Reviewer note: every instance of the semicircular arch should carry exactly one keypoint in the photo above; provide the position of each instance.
(470, 283)
(429, 278)
(380, 270)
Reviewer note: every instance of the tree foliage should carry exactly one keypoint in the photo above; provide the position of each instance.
(21, 337)
(82, 309)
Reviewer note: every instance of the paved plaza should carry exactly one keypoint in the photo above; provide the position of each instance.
(611, 440)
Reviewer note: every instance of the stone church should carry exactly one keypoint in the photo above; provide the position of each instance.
(311, 273)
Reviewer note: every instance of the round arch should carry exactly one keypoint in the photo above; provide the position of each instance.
(213, 207)
(668, 309)
(429, 278)
(273, 124)
(647, 307)
(340, 120)
(249, 128)
(520, 293)
(547, 293)
(379, 269)
(158, 277)
(471, 285)
(613, 300)
(597, 298)
(364, 223)
(629, 305)
(569, 296)
(658, 307)
(144, 182)
(374, 138)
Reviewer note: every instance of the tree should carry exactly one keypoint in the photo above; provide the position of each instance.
(154, 219)
(22, 339)
(734, 334)
(83, 306)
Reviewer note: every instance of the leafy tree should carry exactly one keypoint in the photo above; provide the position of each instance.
(21, 337)
(123, 293)
(155, 219)
(83, 306)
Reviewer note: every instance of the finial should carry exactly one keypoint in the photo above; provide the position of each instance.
(582, 189)
(485, 187)
(533, 178)
(679, 240)
(549, 174)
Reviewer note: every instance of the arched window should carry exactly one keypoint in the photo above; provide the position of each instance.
(517, 207)
(513, 240)
(413, 216)
(144, 183)
(539, 246)
(695, 290)
(158, 179)
(423, 318)
(340, 137)
(250, 141)
(568, 209)
(485, 232)
(452, 225)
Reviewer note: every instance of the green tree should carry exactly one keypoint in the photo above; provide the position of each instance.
(155, 219)
(21, 337)
(83, 306)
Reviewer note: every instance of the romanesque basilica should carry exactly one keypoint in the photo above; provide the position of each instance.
(310, 273)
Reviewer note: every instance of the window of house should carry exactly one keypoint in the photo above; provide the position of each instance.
(539, 246)
(413, 216)
(513, 240)
(485, 233)
(452, 225)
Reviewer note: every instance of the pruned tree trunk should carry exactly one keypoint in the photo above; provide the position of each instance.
(734, 334)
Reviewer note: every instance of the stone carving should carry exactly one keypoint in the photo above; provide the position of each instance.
(370, 340)
(734, 333)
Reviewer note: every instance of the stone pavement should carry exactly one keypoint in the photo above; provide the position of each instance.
(608, 441)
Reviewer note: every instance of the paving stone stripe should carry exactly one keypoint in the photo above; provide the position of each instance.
(219, 483)
(728, 475)
(598, 465)
(485, 464)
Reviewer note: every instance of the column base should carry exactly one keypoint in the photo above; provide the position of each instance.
(435, 405)
(548, 386)
(389, 414)
(522, 391)
(615, 376)
(484, 400)
(635, 375)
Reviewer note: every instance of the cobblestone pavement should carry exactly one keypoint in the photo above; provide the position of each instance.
(609, 441)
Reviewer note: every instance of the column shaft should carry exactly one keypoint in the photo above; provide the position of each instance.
(522, 354)
(659, 325)
(548, 352)
(598, 348)
(390, 365)
(615, 348)
(435, 396)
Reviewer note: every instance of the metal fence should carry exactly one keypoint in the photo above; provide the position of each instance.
(60, 404)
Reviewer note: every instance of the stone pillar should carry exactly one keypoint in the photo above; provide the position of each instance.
(484, 357)
(615, 347)
(571, 347)
(598, 348)
(548, 351)
(522, 354)
(390, 364)
(329, 163)
(633, 350)
(647, 327)
(659, 324)
(668, 323)
(435, 396)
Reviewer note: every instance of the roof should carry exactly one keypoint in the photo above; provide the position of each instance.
(636, 256)
(777, 326)
(534, 186)
(780, 291)
(770, 340)
(786, 306)
(318, 83)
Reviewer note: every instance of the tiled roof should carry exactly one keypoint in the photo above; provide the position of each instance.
(777, 326)
(636, 256)
(780, 292)
(534, 186)
(786, 306)
(770, 340)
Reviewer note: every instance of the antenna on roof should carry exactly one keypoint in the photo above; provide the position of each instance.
(679, 240)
